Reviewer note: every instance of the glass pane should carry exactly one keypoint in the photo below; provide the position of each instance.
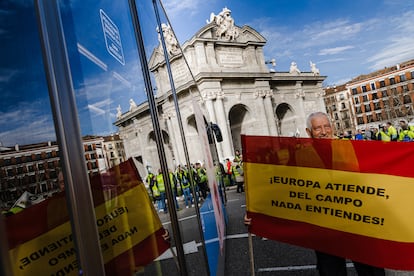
(109, 87)
(31, 195)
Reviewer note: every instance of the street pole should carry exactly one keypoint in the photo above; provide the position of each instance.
(158, 137)
(177, 109)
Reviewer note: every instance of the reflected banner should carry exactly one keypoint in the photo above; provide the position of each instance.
(344, 197)
(130, 231)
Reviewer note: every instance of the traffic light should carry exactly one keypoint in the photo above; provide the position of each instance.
(214, 129)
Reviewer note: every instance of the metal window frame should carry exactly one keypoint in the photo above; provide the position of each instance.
(61, 93)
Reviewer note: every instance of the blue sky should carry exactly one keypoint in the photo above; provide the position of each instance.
(344, 39)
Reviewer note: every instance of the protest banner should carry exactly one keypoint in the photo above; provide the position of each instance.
(347, 198)
(130, 231)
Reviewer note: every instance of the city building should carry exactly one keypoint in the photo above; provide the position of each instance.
(374, 99)
(339, 107)
(114, 151)
(34, 168)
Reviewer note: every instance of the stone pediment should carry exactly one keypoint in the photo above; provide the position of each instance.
(246, 35)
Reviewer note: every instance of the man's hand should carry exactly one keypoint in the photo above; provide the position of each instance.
(247, 221)
(166, 236)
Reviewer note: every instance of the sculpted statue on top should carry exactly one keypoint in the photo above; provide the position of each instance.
(170, 41)
(314, 69)
(225, 25)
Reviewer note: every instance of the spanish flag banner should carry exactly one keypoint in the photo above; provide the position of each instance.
(347, 198)
(130, 231)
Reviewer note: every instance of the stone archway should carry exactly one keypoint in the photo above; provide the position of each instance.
(287, 125)
(238, 115)
(153, 152)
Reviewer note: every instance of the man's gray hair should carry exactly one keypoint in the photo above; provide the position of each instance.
(313, 115)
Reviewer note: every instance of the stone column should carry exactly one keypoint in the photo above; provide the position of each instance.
(200, 54)
(270, 113)
(209, 100)
(261, 94)
(172, 134)
(222, 121)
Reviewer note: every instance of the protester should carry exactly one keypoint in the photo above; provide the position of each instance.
(318, 126)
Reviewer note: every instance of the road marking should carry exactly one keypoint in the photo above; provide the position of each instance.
(181, 219)
(296, 267)
(189, 247)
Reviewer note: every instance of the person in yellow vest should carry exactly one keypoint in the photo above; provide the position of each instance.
(184, 179)
(237, 169)
(150, 180)
(383, 134)
(174, 184)
(202, 180)
(391, 131)
(406, 134)
(161, 188)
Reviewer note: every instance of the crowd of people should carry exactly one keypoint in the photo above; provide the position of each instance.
(384, 132)
(181, 179)
(228, 174)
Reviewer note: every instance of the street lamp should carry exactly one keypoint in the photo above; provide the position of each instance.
(272, 62)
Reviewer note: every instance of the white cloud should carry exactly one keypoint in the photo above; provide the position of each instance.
(334, 51)
(338, 30)
(180, 7)
(26, 124)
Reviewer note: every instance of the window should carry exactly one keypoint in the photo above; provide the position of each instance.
(384, 93)
(382, 83)
(354, 91)
(356, 99)
(360, 121)
(412, 74)
(343, 106)
(341, 97)
(333, 107)
(407, 99)
(402, 77)
(405, 88)
(372, 85)
(379, 116)
(392, 80)
(377, 106)
(364, 88)
(374, 96)
(365, 98)
(367, 108)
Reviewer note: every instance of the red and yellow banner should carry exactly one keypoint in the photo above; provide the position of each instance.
(343, 197)
(130, 230)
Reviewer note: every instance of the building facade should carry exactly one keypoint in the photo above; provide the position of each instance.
(340, 108)
(383, 96)
(35, 168)
(230, 81)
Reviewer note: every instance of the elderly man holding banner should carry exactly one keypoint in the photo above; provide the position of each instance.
(342, 198)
